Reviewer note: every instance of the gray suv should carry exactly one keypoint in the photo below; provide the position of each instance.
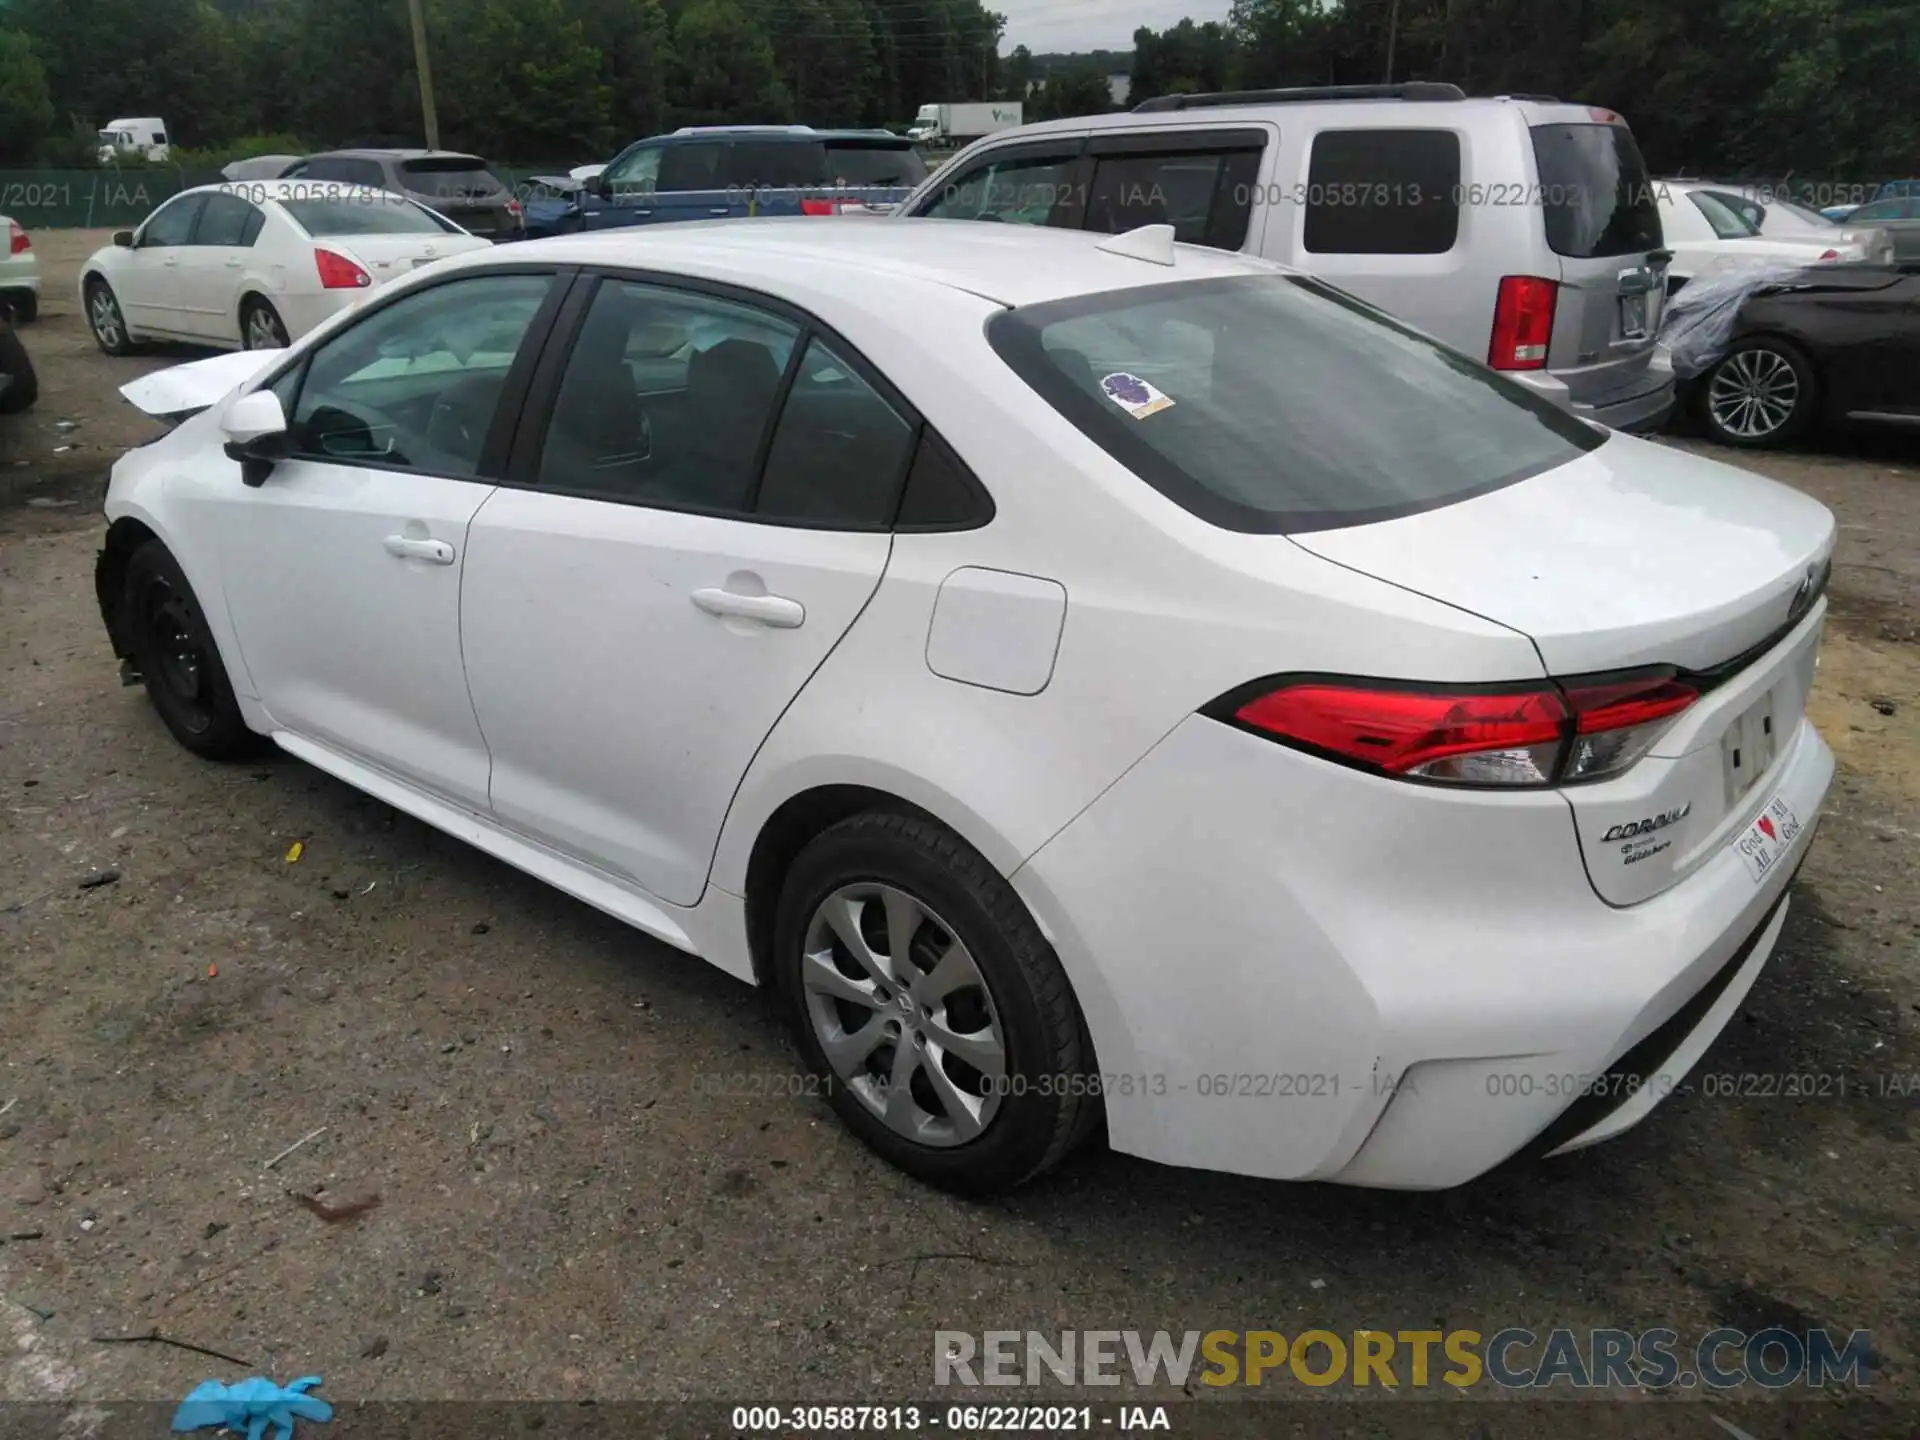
(1520, 230)
(461, 187)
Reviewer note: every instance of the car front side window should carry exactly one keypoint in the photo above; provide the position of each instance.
(636, 173)
(415, 384)
(1031, 187)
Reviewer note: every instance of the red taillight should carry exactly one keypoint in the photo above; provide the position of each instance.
(339, 273)
(18, 242)
(1616, 724)
(820, 207)
(1527, 735)
(1522, 323)
(1831, 255)
(513, 209)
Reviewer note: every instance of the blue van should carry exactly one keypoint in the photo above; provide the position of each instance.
(709, 172)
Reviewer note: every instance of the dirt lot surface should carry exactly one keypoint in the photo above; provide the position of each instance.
(563, 1217)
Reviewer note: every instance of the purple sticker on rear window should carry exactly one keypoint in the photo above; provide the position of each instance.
(1133, 395)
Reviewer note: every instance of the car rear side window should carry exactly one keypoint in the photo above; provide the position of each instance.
(774, 164)
(1727, 222)
(1596, 195)
(839, 453)
(667, 398)
(1383, 192)
(692, 166)
(1274, 403)
(225, 222)
(1206, 195)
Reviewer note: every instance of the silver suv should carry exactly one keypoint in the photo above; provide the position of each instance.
(1519, 230)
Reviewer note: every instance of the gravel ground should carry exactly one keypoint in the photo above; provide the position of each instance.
(563, 1217)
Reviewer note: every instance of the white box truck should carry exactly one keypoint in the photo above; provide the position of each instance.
(142, 138)
(938, 124)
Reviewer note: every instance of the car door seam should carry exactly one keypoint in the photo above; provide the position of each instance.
(460, 633)
(706, 880)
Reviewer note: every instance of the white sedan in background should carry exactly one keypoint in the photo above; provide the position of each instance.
(19, 272)
(1710, 235)
(915, 619)
(256, 264)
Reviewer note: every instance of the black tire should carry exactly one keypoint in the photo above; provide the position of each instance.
(24, 305)
(1047, 1102)
(1782, 392)
(178, 659)
(114, 338)
(255, 312)
(17, 366)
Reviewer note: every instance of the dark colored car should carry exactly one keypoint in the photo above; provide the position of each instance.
(18, 386)
(710, 172)
(461, 187)
(1832, 346)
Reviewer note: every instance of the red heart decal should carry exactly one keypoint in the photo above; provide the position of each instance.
(1767, 825)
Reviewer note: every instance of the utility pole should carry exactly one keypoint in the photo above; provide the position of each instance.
(1393, 34)
(427, 112)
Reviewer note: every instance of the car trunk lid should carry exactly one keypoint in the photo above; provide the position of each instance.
(388, 257)
(1633, 557)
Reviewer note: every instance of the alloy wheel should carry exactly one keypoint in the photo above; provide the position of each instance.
(263, 331)
(105, 316)
(1754, 394)
(904, 1015)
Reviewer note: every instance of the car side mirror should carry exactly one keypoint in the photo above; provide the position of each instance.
(256, 431)
(123, 238)
(601, 186)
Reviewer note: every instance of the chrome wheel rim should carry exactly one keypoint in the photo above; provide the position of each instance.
(105, 316)
(904, 1015)
(1754, 394)
(263, 331)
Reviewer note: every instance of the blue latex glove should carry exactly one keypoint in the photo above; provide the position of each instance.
(249, 1407)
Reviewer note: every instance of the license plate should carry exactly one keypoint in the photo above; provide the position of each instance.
(1633, 317)
(1747, 748)
(1768, 838)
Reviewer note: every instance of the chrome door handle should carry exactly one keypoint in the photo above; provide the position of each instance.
(773, 610)
(438, 552)
(720, 210)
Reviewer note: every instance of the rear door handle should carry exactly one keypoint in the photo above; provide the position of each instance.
(439, 552)
(720, 210)
(773, 610)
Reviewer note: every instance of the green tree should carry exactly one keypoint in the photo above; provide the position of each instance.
(824, 51)
(723, 69)
(635, 41)
(26, 104)
(1082, 90)
(524, 84)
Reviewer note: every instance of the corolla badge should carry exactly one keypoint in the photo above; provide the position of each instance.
(1647, 826)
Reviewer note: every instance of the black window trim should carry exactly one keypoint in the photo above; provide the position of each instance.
(522, 468)
(1198, 140)
(1018, 342)
(494, 450)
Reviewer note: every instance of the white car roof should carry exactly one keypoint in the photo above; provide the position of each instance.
(299, 189)
(1008, 264)
(1369, 113)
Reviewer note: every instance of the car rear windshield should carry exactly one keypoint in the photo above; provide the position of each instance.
(1274, 403)
(1595, 191)
(880, 164)
(450, 177)
(370, 214)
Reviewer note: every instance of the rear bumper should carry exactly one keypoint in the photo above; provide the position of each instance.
(1642, 404)
(1298, 971)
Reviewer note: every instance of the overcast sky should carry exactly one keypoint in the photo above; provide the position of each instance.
(1043, 25)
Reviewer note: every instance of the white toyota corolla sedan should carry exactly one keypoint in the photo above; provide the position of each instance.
(253, 264)
(1075, 674)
